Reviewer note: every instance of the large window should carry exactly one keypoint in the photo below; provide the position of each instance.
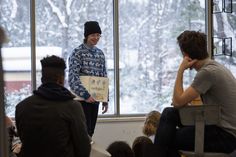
(149, 55)
(15, 18)
(224, 28)
(61, 24)
(147, 52)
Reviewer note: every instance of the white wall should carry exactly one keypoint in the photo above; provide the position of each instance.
(127, 130)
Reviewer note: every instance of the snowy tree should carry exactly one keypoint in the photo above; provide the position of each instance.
(148, 52)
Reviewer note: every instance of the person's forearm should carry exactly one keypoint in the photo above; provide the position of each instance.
(178, 89)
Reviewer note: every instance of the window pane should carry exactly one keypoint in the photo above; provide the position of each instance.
(14, 18)
(224, 36)
(149, 55)
(60, 28)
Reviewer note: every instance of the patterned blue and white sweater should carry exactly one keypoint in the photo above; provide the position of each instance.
(85, 61)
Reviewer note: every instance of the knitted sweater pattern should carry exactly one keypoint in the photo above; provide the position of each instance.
(85, 61)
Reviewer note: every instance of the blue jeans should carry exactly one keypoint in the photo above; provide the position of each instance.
(91, 114)
(172, 136)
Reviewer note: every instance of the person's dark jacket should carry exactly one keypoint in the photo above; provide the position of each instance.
(51, 124)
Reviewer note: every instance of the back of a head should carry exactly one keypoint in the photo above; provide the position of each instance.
(53, 69)
(120, 149)
(194, 44)
(140, 145)
(151, 123)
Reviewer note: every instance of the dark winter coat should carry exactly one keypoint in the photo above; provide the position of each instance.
(51, 124)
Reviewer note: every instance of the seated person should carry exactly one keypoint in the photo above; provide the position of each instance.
(120, 149)
(215, 84)
(50, 123)
(140, 146)
(151, 123)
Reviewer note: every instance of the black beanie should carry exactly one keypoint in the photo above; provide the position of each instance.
(91, 27)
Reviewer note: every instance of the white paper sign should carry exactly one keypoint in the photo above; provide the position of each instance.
(96, 86)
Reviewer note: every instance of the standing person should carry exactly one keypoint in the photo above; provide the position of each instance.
(88, 60)
(50, 123)
(215, 84)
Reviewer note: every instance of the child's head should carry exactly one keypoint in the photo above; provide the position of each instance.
(120, 149)
(151, 123)
(140, 145)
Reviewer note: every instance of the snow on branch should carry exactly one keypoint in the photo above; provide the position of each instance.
(68, 5)
(14, 9)
(59, 14)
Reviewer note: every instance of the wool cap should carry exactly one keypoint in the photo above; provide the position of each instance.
(91, 27)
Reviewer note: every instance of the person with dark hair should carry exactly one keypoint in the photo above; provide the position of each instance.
(141, 145)
(120, 149)
(215, 84)
(88, 60)
(50, 123)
